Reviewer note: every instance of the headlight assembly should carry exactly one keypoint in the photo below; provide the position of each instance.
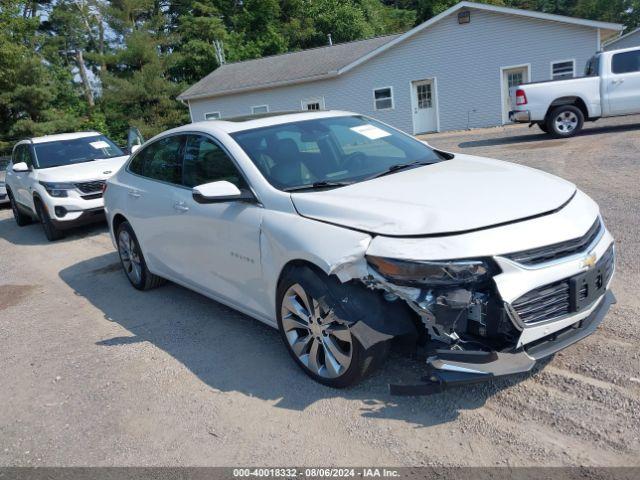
(444, 273)
(58, 190)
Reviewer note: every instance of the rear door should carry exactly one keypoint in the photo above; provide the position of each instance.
(157, 175)
(623, 83)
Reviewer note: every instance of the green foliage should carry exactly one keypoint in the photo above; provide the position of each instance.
(140, 54)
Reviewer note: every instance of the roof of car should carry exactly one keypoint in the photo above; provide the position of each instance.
(249, 122)
(63, 136)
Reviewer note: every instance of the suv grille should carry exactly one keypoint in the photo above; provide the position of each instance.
(554, 300)
(91, 187)
(557, 250)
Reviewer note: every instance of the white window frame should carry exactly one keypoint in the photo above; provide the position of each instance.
(392, 98)
(253, 109)
(217, 117)
(305, 101)
(573, 62)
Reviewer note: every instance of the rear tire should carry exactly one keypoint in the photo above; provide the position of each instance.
(565, 121)
(51, 232)
(20, 218)
(132, 260)
(317, 334)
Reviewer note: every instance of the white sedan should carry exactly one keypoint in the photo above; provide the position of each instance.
(351, 237)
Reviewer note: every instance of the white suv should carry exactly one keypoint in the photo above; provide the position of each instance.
(58, 179)
(348, 236)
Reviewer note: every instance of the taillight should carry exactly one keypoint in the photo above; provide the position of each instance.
(521, 97)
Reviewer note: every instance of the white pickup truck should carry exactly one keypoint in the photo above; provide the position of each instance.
(610, 87)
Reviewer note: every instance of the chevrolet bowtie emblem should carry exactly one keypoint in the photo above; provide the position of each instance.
(589, 261)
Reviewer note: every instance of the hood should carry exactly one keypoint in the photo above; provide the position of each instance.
(95, 170)
(452, 196)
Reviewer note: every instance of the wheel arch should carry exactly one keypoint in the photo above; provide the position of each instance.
(574, 100)
(118, 219)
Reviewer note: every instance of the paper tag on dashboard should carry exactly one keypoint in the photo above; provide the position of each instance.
(99, 144)
(370, 131)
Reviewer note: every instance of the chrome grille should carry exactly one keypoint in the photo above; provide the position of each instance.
(535, 256)
(554, 300)
(544, 303)
(91, 187)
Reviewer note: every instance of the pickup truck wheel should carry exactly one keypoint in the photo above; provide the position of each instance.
(317, 335)
(50, 231)
(565, 121)
(21, 218)
(543, 127)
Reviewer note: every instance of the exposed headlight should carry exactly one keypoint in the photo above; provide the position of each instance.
(433, 273)
(58, 189)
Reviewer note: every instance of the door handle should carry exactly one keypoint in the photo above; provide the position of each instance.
(180, 207)
(616, 82)
(134, 193)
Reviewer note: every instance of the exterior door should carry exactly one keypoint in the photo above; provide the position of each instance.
(158, 174)
(219, 250)
(623, 84)
(424, 107)
(23, 180)
(511, 77)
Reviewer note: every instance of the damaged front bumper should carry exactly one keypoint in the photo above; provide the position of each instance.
(456, 367)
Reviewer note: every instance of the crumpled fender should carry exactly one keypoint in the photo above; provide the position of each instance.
(339, 253)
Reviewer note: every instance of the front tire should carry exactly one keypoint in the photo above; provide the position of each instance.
(565, 121)
(132, 260)
(50, 231)
(317, 334)
(20, 218)
(543, 126)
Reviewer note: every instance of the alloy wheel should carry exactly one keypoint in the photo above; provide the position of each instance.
(322, 345)
(130, 257)
(566, 122)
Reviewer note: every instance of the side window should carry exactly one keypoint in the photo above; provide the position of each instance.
(162, 160)
(205, 162)
(22, 154)
(17, 154)
(626, 62)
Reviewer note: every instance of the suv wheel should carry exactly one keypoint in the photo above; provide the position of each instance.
(132, 260)
(565, 121)
(317, 335)
(21, 218)
(51, 232)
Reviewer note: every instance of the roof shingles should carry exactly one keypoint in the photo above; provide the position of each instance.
(280, 69)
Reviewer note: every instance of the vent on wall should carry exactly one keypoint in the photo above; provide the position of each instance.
(464, 17)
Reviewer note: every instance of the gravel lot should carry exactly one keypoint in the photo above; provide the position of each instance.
(96, 373)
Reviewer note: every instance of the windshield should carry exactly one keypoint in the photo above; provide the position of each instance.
(78, 150)
(331, 151)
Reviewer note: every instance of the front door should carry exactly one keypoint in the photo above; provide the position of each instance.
(511, 77)
(623, 84)
(424, 108)
(219, 251)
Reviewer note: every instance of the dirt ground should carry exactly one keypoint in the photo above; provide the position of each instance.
(97, 373)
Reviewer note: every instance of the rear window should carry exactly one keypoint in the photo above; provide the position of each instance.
(626, 62)
(592, 68)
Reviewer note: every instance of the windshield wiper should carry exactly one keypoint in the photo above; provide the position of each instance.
(316, 186)
(398, 167)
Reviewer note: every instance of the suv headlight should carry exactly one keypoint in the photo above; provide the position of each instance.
(432, 273)
(58, 190)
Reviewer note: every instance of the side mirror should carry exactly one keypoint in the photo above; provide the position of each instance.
(220, 192)
(20, 167)
(134, 148)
